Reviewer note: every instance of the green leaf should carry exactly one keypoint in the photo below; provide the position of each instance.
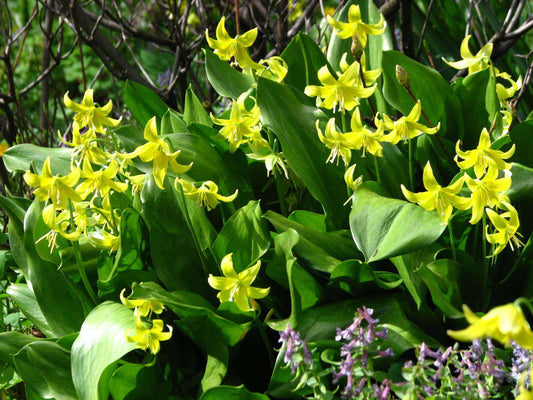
(24, 298)
(522, 183)
(383, 227)
(188, 304)
(479, 104)
(132, 245)
(125, 383)
(172, 123)
(227, 81)
(232, 393)
(101, 342)
(45, 367)
(441, 278)
(424, 83)
(143, 103)
(11, 342)
(304, 58)
(245, 235)
(194, 112)
(22, 156)
(521, 137)
(292, 119)
(321, 250)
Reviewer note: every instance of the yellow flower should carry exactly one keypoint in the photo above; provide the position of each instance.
(339, 143)
(86, 146)
(506, 225)
(476, 63)
(89, 114)
(408, 127)
(226, 47)
(143, 308)
(277, 69)
(483, 156)
(348, 177)
(274, 161)
(355, 26)
(149, 338)
(343, 92)
(241, 125)
(159, 151)
(206, 195)
(504, 323)
(57, 189)
(100, 182)
(236, 287)
(104, 239)
(526, 392)
(364, 138)
(488, 191)
(436, 197)
(507, 92)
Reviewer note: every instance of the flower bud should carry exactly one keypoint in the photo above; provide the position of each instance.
(357, 48)
(402, 77)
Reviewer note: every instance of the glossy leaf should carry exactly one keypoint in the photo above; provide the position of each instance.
(23, 156)
(172, 122)
(194, 112)
(101, 342)
(292, 119)
(25, 299)
(227, 81)
(232, 393)
(143, 103)
(245, 235)
(383, 227)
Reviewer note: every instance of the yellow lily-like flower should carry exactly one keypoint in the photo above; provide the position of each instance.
(89, 114)
(476, 63)
(226, 47)
(274, 162)
(105, 216)
(507, 121)
(236, 287)
(206, 195)
(355, 26)
(85, 146)
(364, 138)
(104, 240)
(436, 197)
(159, 151)
(242, 124)
(344, 92)
(504, 323)
(339, 143)
(407, 128)
(507, 92)
(349, 177)
(506, 225)
(276, 69)
(149, 338)
(483, 156)
(488, 191)
(56, 188)
(142, 308)
(100, 182)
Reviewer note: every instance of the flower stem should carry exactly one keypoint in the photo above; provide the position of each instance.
(376, 167)
(485, 276)
(411, 172)
(452, 240)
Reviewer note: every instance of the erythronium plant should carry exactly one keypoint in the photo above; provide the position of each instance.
(225, 227)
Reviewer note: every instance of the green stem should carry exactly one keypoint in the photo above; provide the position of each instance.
(115, 264)
(452, 240)
(264, 337)
(411, 172)
(281, 196)
(376, 167)
(79, 260)
(485, 277)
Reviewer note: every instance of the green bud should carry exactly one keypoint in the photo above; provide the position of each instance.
(402, 77)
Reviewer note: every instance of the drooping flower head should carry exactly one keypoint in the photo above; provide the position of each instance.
(206, 195)
(88, 114)
(147, 337)
(474, 63)
(506, 228)
(355, 27)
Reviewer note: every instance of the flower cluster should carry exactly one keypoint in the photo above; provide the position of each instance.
(148, 332)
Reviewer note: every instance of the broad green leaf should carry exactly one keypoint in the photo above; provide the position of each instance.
(172, 123)
(45, 367)
(11, 342)
(304, 58)
(321, 250)
(227, 81)
(441, 278)
(24, 298)
(359, 279)
(521, 137)
(137, 382)
(284, 268)
(311, 220)
(194, 112)
(22, 156)
(166, 223)
(383, 227)
(130, 136)
(522, 182)
(100, 344)
(245, 235)
(143, 103)
(292, 119)
(479, 105)
(232, 393)
(424, 83)
(15, 230)
(187, 305)
(62, 303)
